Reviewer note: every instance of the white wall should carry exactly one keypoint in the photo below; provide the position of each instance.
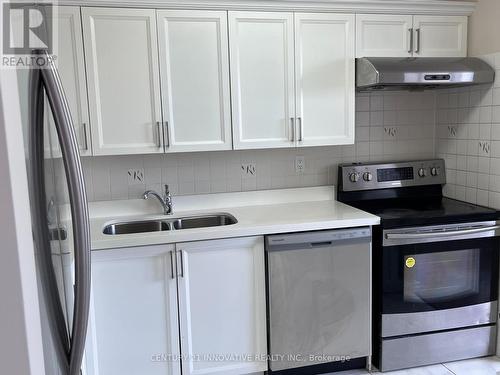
(484, 28)
(390, 126)
(20, 332)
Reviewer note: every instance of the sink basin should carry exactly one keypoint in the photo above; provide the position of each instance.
(188, 222)
(136, 227)
(204, 221)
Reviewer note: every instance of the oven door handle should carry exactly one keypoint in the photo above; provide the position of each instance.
(451, 233)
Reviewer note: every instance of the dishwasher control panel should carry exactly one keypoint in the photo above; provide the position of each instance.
(309, 240)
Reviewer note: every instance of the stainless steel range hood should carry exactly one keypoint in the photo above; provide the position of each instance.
(393, 73)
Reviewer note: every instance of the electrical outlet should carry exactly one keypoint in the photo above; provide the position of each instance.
(300, 164)
(135, 176)
(248, 169)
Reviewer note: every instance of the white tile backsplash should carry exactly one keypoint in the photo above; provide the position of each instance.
(389, 126)
(472, 154)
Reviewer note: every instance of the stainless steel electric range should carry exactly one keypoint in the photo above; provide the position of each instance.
(435, 264)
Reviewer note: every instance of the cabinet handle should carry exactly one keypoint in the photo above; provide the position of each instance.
(172, 264)
(86, 142)
(301, 129)
(158, 133)
(410, 42)
(417, 48)
(166, 134)
(292, 129)
(181, 253)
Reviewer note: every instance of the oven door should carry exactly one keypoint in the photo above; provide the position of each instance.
(439, 277)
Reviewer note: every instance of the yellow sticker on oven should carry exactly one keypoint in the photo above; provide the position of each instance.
(410, 262)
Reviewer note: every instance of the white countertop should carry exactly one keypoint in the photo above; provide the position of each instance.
(258, 213)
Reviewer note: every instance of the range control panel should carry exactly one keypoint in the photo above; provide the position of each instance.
(371, 176)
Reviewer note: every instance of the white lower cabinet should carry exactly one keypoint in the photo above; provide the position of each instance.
(133, 327)
(202, 301)
(222, 308)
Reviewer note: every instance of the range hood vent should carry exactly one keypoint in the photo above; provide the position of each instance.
(393, 73)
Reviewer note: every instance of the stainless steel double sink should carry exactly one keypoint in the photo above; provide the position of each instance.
(159, 225)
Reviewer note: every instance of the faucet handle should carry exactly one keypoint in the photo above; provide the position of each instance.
(168, 196)
(168, 201)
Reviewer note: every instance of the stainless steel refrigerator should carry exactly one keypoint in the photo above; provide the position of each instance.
(60, 218)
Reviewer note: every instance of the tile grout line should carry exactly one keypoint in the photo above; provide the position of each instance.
(407, 114)
(444, 365)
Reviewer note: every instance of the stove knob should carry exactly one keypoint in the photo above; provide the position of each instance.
(367, 176)
(434, 171)
(354, 177)
(421, 172)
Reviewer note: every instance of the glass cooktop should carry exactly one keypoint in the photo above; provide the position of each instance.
(414, 213)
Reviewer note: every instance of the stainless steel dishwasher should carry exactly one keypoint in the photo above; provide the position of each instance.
(319, 300)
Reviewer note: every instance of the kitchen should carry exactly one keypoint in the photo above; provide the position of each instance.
(236, 187)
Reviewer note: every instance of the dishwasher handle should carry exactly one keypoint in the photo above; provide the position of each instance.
(317, 239)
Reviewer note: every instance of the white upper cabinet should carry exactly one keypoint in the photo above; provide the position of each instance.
(194, 65)
(133, 325)
(262, 79)
(380, 35)
(70, 64)
(292, 79)
(405, 36)
(123, 77)
(229, 80)
(222, 308)
(324, 68)
(437, 36)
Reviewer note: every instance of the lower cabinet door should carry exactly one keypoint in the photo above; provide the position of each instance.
(222, 306)
(133, 326)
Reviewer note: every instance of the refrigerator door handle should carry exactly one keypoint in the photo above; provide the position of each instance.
(79, 211)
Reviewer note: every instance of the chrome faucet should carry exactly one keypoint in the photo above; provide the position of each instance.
(165, 201)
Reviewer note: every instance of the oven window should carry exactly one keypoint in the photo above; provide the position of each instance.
(441, 277)
(438, 275)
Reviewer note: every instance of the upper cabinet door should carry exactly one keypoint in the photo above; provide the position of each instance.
(324, 68)
(70, 64)
(262, 72)
(437, 36)
(194, 66)
(380, 35)
(123, 76)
